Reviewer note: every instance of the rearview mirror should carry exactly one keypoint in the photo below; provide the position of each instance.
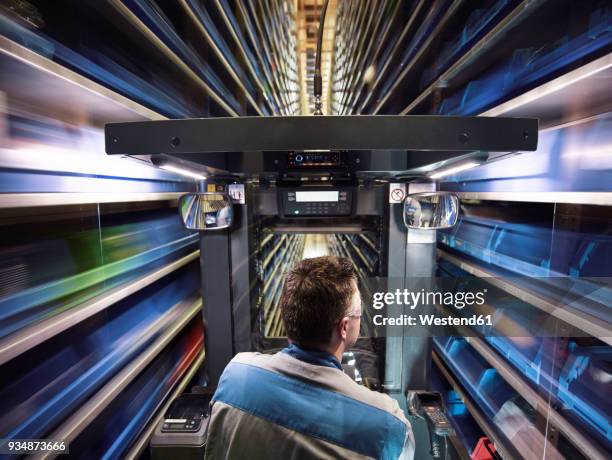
(206, 211)
(431, 210)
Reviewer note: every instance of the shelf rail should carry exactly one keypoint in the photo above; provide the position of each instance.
(591, 198)
(22, 200)
(78, 86)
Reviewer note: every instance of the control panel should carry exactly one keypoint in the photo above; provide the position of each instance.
(316, 202)
(315, 160)
(437, 420)
(186, 414)
(182, 425)
(183, 431)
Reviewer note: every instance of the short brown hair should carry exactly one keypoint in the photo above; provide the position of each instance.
(316, 296)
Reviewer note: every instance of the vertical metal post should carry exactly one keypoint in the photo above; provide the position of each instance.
(420, 268)
(411, 258)
(240, 256)
(396, 269)
(217, 301)
(225, 279)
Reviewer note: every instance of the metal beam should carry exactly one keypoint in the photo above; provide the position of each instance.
(323, 132)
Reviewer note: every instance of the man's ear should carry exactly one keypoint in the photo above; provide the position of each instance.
(343, 328)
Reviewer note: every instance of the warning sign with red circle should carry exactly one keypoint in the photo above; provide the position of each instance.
(397, 193)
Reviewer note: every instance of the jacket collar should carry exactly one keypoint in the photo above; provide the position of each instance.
(311, 356)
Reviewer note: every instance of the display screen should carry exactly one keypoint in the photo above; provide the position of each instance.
(309, 197)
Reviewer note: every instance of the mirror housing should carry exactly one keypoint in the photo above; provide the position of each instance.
(206, 211)
(431, 210)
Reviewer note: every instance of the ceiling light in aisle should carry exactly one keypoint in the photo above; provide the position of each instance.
(183, 171)
(454, 169)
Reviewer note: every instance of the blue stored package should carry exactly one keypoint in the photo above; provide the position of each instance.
(484, 383)
(584, 387)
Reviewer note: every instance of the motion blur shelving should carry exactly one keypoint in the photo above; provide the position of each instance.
(356, 75)
(21, 200)
(143, 442)
(186, 68)
(588, 448)
(390, 55)
(592, 40)
(159, 42)
(284, 45)
(345, 58)
(66, 94)
(49, 89)
(518, 382)
(278, 51)
(31, 336)
(278, 79)
(595, 198)
(231, 23)
(268, 87)
(594, 326)
(359, 49)
(578, 94)
(198, 20)
(37, 87)
(181, 315)
(486, 43)
(505, 448)
(423, 48)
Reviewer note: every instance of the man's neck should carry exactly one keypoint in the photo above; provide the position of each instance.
(335, 351)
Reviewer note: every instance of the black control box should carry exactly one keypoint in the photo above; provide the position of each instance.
(182, 432)
(316, 201)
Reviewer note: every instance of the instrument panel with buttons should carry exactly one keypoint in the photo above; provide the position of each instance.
(317, 202)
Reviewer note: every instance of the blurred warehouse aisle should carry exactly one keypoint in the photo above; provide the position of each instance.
(315, 246)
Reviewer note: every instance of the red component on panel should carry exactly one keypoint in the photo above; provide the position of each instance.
(484, 450)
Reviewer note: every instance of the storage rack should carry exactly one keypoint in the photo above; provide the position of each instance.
(494, 58)
(276, 255)
(168, 38)
(362, 249)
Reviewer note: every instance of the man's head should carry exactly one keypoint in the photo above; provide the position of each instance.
(321, 305)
